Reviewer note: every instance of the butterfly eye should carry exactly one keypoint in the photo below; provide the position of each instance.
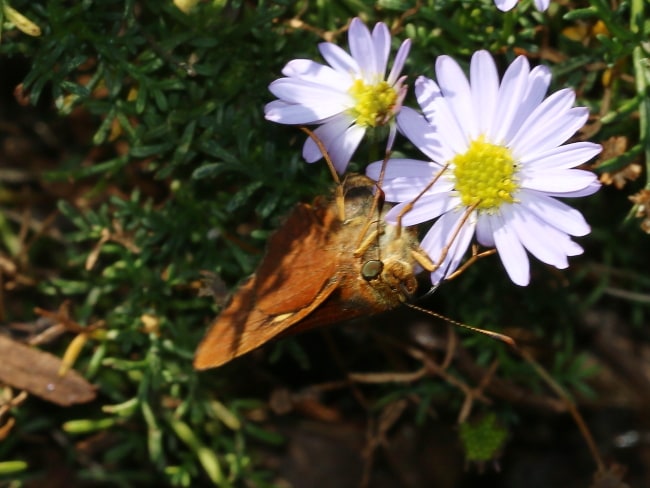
(371, 269)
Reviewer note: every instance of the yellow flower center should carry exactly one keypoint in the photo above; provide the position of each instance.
(374, 103)
(485, 175)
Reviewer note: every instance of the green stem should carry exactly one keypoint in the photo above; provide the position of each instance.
(642, 79)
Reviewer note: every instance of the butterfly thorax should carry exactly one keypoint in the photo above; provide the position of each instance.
(375, 256)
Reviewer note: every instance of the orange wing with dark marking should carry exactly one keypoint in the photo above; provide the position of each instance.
(289, 284)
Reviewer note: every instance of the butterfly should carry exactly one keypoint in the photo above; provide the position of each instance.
(330, 261)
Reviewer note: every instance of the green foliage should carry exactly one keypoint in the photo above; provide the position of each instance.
(181, 173)
(482, 440)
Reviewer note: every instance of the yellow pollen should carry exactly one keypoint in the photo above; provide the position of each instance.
(375, 103)
(485, 175)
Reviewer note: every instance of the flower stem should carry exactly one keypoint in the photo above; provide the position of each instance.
(642, 79)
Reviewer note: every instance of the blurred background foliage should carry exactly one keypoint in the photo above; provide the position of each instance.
(135, 157)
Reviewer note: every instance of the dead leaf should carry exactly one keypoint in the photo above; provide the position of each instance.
(36, 371)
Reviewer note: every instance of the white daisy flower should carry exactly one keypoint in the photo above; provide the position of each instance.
(496, 148)
(505, 5)
(347, 97)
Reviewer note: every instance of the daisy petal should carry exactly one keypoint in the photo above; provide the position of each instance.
(426, 208)
(428, 93)
(456, 91)
(505, 5)
(563, 157)
(484, 82)
(338, 59)
(328, 133)
(573, 248)
(381, 41)
(404, 179)
(342, 149)
(540, 239)
(292, 90)
(408, 189)
(542, 121)
(542, 5)
(398, 64)
(560, 181)
(511, 251)
(390, 140)
(435, 106)
(564, 129)
(417, 130)
(484, 233)
(584, 192)
(538, 81)
(511, 93)
(363, 49)
(556, 213)
(438, 239)
(402, 168)
(309, 70)
(289, 113)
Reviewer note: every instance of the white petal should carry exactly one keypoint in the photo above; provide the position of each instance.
(339, 59)
(505, 5)
(514, 86)
(427, 93)
(584, 192)
(557, 181)
(484, 231)
(421, 134)
(544, 240)
(343, 148)
(456, 90)
(538, 81)
(541, 123)
(390, 140)
(424, 209)
(573, 248)
(435, 108)
(407, 189)
(401, 167)
(293, 90)
(309, 70)
(328, 133)
(363, 50)
(511, 251)
(444, 234)
(398, 64)
(381, 41)
(404, 179)
(563, 157)
(556, 213)
(289, 113)
(484, 82)
(542, 4)
(540, 239)
(565, 127)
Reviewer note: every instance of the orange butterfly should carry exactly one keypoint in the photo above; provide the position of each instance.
(329, 262)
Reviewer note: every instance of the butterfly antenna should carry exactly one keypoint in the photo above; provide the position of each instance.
(335, 176)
